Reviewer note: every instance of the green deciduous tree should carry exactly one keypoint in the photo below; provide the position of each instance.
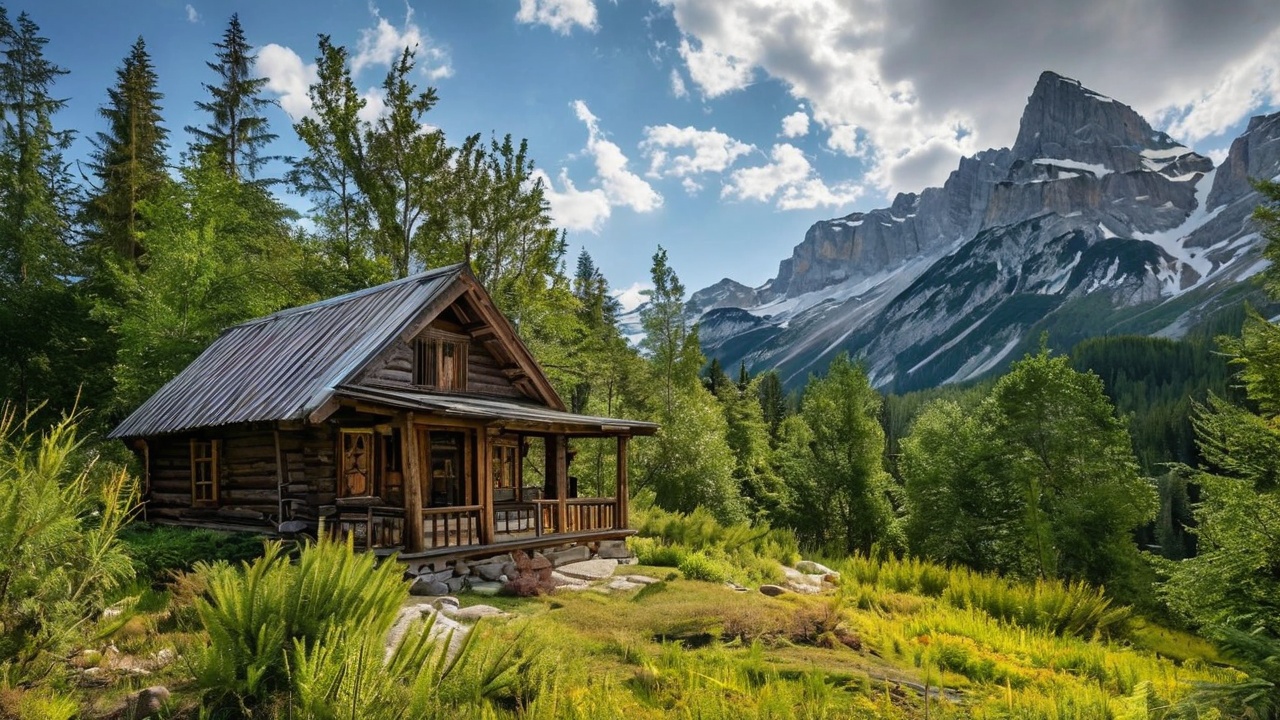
(219, 252)
(237, 132)
(842, 500)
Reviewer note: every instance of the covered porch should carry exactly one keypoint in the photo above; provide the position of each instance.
(464, 475)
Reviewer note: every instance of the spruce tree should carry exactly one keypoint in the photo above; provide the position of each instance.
(128, 161)
(237, 131)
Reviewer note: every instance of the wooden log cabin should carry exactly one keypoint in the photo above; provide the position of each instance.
(403, 414)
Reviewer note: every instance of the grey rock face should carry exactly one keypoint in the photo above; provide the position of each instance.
(1092, 210)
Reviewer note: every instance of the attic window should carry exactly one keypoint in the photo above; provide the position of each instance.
(440, 362)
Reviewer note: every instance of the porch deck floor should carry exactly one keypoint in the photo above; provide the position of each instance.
(519, 543)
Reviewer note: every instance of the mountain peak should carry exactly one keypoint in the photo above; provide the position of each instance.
(1066, 120)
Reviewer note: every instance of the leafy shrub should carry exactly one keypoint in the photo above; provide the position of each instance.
(701, 566)
(649, 551)
(59, 556)
(700, 530)
(158, 551)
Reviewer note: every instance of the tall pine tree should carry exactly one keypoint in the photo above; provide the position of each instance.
(128, 162)
(237, 131)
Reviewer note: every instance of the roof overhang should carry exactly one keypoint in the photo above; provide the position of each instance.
(510, 415)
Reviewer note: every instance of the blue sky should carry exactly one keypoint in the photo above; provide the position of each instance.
(721, 129)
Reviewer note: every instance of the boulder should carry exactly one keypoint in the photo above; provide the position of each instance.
(509, 569)
(474, 612)
(486, 588)
(446, 601)
(428, 586)
(809, 567)
(150, 702)
(456, 584)
(773, 590)
(623, 585)
(538, 562)
(461, 569)
(574, 554)
(613, 550)
(562, 580)
(597, 569)
(489, 571)
(642, 579)
(441, 627)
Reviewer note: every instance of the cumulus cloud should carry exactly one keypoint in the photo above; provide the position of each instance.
(192, 15)
(633, 296)
(562, 16)
(620, 185)
(790, 178)
(796, 124)
(677, 84)
(679, 152)
(382, 44)
(890, 82)
(574, 209)
(287, 76)
(615, 185)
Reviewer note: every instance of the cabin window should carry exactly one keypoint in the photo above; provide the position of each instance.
(440, 363)
(357, 464)
(204, 472)
(504, 465)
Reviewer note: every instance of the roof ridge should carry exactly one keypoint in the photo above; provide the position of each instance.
(429, 273)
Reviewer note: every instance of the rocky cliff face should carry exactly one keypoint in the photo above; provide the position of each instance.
(1091, 222)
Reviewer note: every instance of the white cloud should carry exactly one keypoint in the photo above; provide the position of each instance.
(616, 185)
(633, 296)
(287, 76)
(375, 104)
(708, 150)
(620, 185)
(382, 44)
(192, 15)
(691, 186)
(559, 15)
(574, 209)
(796, 124)
(677, 84)
(896, 98)
(791, 179)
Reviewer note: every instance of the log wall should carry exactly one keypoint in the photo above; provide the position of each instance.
(484, 375)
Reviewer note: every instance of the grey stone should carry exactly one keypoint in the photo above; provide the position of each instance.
(642, 579)
(577, 553)
(427, 586)
(474, 612)
(597, 569)
(461, 569)
(613, 550)
(486, 588)
(622, 585)
(289, 527)
(442, 627)
(562, 580)
(150, 702)
(456, 584)
(509, 569)
(809, 567)
(773, 590)
(489, 571)
(446, 601)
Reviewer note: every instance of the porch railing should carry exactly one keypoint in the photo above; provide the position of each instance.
(581, 514)
(451, 526)
(373, 526)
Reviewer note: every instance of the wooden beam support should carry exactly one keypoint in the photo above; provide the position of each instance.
(484, 479)
(562, 480)
(620, 517)
(413, 474)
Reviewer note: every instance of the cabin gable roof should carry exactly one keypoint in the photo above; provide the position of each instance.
(289, 365)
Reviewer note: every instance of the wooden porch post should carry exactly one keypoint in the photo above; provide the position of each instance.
(412, 486)
(484, 478)
(558, 469)
(620, 516)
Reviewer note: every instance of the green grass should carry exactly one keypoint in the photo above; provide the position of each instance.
(157, 551)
